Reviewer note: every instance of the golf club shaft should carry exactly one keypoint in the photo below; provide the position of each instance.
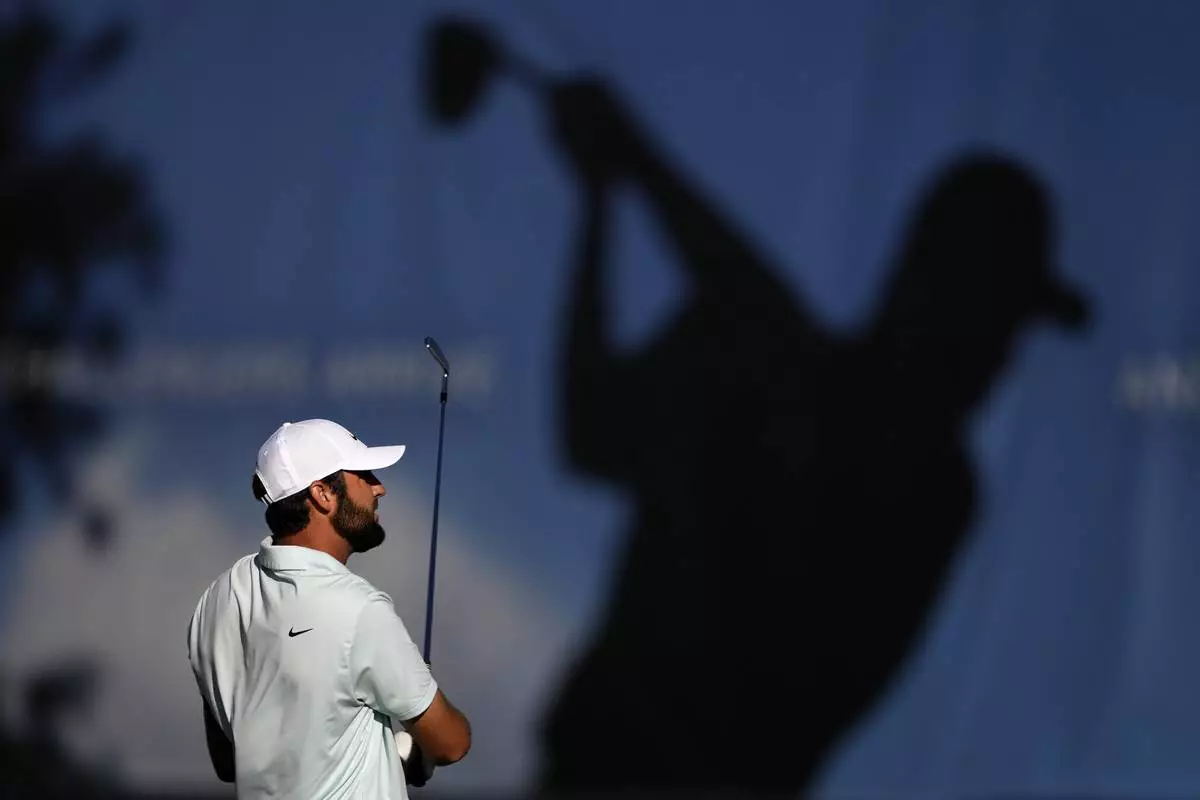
(437, 490)
(440, 357)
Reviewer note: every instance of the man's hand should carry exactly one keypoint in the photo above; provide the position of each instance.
(417, 769)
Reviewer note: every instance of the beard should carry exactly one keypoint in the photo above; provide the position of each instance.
(357, 525)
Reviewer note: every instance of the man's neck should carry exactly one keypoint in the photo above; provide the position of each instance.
(323, 541)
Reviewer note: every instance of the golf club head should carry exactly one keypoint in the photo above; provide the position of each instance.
(438, 355)
(461, 59)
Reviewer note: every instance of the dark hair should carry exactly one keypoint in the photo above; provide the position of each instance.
(290, 515)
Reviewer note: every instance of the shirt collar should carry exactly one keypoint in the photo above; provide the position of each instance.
(294, 558)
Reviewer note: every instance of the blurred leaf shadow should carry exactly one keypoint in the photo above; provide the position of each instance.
(71, 207)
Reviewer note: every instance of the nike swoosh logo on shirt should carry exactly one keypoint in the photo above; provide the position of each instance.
(294, 632)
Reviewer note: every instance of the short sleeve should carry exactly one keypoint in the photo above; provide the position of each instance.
(386, 668)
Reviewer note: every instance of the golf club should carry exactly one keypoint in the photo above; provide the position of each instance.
(440, 357)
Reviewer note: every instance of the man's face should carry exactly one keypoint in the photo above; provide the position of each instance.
(357, 517)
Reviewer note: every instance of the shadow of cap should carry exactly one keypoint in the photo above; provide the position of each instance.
(985, 232)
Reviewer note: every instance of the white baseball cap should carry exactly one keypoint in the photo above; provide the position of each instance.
(298, 453)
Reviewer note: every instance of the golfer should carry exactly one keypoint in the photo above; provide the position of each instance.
(311, 685)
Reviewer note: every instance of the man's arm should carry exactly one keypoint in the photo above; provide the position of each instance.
(601, 135)
(391, 677)
(220, 749)
(596, 384)
(441, 731)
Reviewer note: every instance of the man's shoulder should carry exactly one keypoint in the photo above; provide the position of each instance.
(227, 578)
(339, 603)
(214, 605)
(356, 591)
(351, 591)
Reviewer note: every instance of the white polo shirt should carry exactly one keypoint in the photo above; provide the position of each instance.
(304, 664)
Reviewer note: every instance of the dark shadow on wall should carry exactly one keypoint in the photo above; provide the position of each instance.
(71, 207)
(799, 494)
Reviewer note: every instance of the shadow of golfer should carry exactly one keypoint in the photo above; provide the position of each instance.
(799, 495)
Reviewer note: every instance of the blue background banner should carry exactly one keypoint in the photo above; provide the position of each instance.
(825, 382)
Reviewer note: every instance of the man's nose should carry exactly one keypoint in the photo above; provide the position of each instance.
(378, 490)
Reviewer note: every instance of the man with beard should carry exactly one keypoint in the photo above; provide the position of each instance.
(303, 666)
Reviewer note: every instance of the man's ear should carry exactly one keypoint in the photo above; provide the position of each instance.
(322, 497)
